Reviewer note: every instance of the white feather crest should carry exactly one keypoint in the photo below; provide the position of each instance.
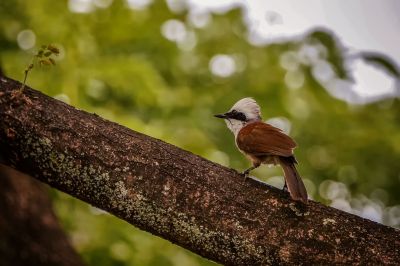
(249, 107)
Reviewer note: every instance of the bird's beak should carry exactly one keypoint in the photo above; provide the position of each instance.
(221, 116)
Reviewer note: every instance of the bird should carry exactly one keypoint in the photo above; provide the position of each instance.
(263, 143)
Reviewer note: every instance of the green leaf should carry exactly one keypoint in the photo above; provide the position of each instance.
(382, 61)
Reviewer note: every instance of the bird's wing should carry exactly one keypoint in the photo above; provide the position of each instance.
(259, 139)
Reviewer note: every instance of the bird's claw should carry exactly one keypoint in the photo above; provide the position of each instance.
(245, 174)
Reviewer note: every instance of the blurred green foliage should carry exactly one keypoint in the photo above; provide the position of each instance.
(151, 69)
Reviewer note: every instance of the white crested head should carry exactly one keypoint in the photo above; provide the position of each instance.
(249, 107)
(242, 112)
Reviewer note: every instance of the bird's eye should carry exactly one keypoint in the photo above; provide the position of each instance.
(241, 117)
(234, 114)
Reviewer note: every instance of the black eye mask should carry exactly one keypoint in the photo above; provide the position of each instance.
(233, 115)
(236, 115)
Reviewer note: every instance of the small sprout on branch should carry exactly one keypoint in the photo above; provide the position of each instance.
(43, 57)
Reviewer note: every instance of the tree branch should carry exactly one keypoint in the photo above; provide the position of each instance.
(204, 207)
(29, 230)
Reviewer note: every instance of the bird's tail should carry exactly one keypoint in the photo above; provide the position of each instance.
(294, 183)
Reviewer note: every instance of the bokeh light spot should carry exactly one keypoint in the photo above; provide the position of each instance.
(341, 204)
(372, 212)
(289, 61)
(222, 65)
(331, 190)
(174, 30)
(96, 89)
(294, 79)
(26, 39)
(310, 54)
(120, 251)
(139, 4)
(323, 71)
(176, 6)
(63, 97)
(189, 42)
(102, 3)
(280, 122)
(199, 18)
(80, 6)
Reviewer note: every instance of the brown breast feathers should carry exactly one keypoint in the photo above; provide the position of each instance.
(260, 139)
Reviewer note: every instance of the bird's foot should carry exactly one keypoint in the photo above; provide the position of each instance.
(245, 174)
(285, 189)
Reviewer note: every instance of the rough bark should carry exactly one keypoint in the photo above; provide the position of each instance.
(29, 231)
(197, 204)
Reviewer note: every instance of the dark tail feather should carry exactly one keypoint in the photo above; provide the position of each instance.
(294, 183)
